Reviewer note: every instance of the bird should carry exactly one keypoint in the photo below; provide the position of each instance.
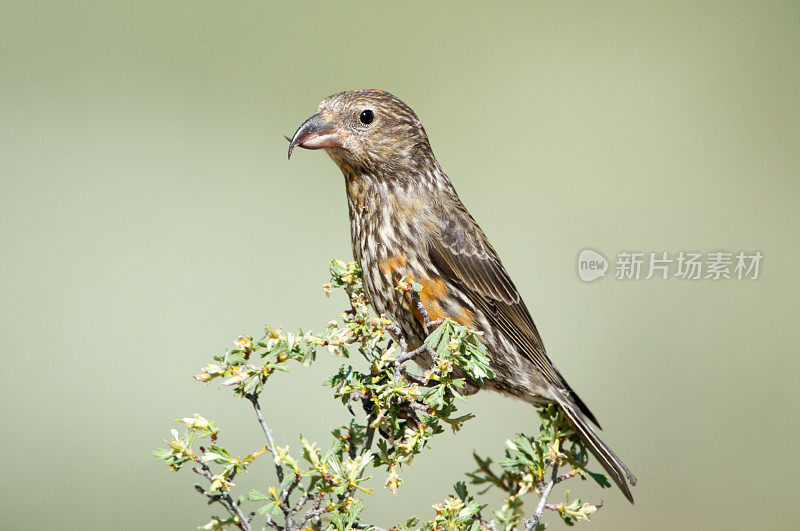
(407, 221)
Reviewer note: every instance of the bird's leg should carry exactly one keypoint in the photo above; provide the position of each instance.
(400, 370)
(406, 355)
(434, 324)
(426, 320)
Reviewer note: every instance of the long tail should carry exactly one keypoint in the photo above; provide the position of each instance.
(612, 464)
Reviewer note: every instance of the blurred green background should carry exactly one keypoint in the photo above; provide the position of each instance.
(149, 216)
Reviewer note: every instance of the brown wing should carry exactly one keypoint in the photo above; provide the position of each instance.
(463, 255)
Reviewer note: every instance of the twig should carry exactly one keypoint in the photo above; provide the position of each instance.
(406, 355)
(223, 497)
(369, 438)
(315, 511)
(548, 488)
(288, 491)
(399, 336)
(564, 477)
(283, 503)
(272, 524)
(268, 434)
(300, 503)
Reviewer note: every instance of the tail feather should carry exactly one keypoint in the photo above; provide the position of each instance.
(612, 464)
(578, 402)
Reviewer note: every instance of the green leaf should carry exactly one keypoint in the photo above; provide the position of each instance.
(461, 489)
(255, 495)
(162, 453)
(412, 522)
(601, 479)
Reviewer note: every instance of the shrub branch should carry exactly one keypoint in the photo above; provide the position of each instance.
(403, 413)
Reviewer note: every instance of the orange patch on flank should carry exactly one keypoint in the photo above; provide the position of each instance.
(391, 264)
(434, 291)
(465, 318)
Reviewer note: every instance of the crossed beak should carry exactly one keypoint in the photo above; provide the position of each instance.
(315, 133)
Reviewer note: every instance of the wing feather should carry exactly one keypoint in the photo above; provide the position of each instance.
(464, 256)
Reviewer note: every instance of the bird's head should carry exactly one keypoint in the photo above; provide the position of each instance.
(366, 131)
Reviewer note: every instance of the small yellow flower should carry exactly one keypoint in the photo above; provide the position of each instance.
(236, 379)
(244, 342)
(194, 423)
(453, 504)
(219, 483)
(178, 444)
(215, 523)
(393, 482)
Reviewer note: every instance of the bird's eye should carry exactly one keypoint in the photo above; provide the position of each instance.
(366, 116)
